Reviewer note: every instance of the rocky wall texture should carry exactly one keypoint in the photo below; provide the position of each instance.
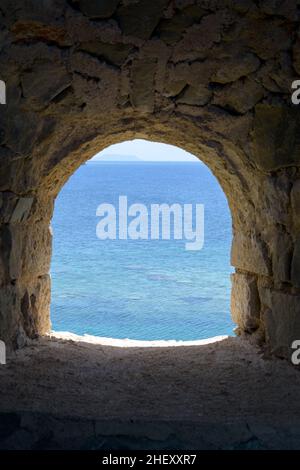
(40, 431)
(211, 76)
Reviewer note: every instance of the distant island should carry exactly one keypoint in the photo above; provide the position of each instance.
(115, 158)
(119, 158)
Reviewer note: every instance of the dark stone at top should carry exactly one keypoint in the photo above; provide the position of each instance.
(98, 8)
(140, 19)
(171, 30)
(276, 137)
(142, 76)
(112, 53)
(296, 264)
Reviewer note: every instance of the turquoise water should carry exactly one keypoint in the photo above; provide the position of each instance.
(145, 289)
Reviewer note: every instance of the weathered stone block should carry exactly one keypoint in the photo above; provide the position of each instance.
(97, 83)
(10, 314)
(278, 74)
(140, 18)
(198, 39)
(98, 8)
(241, 96)
(249, 253)
(22, 210)
(296, 56)
(44, 11)
(44, 83)
(142, 91)
(200, 72)
(174, 87)
(21, 133)
(111, 53)
(282, 322)
(5, 250)
(285, 8)
(233, 68)
(245, 304)
(29, 30)
(296, 264)
(24, 310)
(265, 38)
(171, 30)
(30, 247)
(276, 139)
(35, 307)
(195, 96)
(8, 203)
(91, 67)
(281, 249)
(295, 201)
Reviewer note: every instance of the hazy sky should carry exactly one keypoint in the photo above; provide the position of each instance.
(147, 151)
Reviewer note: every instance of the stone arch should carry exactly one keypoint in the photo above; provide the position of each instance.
(212, 77)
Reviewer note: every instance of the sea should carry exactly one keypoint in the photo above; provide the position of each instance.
(140, 289)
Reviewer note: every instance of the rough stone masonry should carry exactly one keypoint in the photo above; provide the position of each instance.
(211, 76)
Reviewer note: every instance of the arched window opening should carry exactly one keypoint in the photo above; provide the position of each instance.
(143, 289)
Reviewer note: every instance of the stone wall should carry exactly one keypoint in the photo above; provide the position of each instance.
(211, 76)
(44, 432)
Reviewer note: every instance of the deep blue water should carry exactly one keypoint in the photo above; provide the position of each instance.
(145, 289)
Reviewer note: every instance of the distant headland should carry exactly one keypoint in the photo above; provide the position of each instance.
(116, 158)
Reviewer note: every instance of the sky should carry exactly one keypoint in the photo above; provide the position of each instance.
(146, 151)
